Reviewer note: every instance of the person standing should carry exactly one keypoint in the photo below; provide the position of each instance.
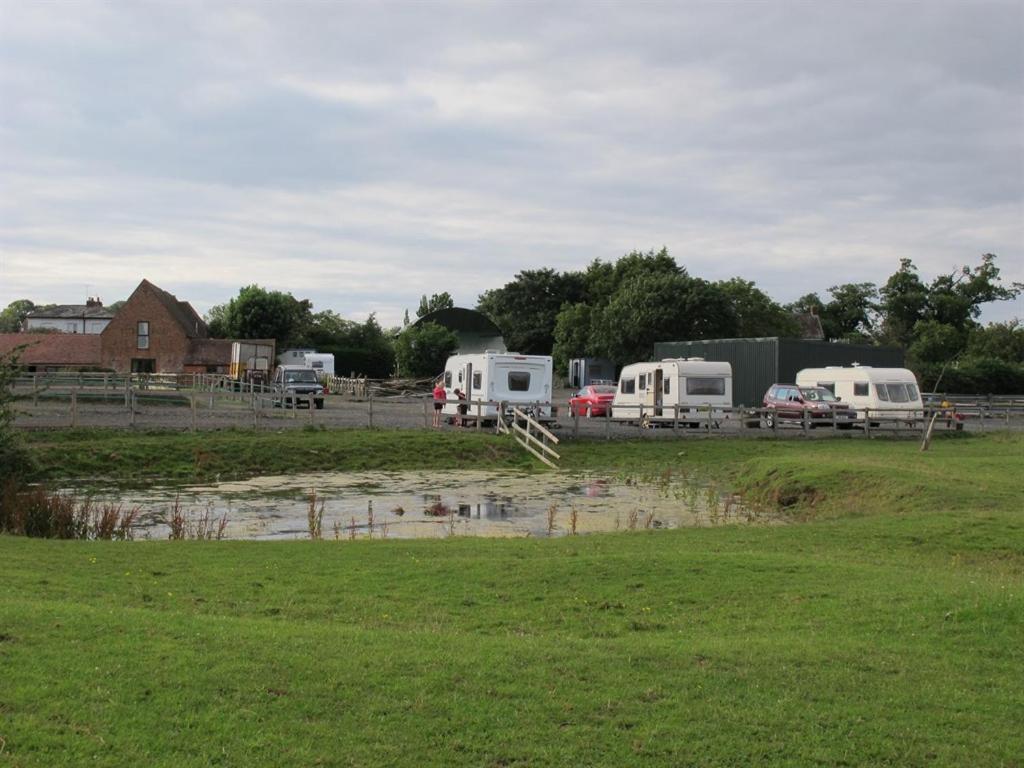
(439, 400)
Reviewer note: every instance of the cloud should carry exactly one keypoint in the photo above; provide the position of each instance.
(363, 155)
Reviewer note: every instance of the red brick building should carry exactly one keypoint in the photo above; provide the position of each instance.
(154, 332)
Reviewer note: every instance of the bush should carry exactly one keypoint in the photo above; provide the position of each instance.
(975, 376)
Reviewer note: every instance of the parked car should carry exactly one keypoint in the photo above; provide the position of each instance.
(295, 384)
(592, 400)
(785, 402)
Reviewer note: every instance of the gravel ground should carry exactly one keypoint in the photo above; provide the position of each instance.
(172, 411)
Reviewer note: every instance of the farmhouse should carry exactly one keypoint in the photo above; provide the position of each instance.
(91, 317)
(154, 332)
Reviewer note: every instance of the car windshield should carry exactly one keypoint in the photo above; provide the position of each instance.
(603, 390)
(300, 377)
(818, 395)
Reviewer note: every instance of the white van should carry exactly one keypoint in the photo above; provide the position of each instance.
(650, 391)
(891, 393)
(517, 380)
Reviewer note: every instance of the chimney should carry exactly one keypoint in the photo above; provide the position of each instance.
(93, 301)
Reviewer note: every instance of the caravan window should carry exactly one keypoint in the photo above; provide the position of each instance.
(882, 392)
(448, 379)
(476, 379)
(705, 385)
(860, 389)
(912, 392)
(642, 383)
(518, 381)
(627, 386)
(667, 388)
(895, 393)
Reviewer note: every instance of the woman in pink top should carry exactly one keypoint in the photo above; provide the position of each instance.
(439, 400)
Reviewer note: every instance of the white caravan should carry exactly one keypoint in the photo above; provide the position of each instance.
(321, 362)
(517, 380)
(653, 390)
(888, 392)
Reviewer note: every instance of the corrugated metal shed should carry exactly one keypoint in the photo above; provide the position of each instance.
(759, 363)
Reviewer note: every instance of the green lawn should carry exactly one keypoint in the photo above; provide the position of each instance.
(884, 627)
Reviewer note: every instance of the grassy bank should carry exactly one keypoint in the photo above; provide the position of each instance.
(887, 629)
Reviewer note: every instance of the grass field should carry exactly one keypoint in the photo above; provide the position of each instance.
(885, 627)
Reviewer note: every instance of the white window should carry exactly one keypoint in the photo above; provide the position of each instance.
(627, 386)
(143, 334)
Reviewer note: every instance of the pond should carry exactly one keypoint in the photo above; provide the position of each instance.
(433, 504)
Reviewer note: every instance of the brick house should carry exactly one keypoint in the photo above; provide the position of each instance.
(154, 332)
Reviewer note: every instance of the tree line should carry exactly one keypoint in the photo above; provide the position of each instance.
(618, 310)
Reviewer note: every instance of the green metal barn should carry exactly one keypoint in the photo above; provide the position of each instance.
(759, 363)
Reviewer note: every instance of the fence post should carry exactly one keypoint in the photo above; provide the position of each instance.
(312, 407)
(867, 422)
(675, 418)
(192, 398)
(74, 408)
(479, 414)
(708, 425)
(640, 422)
(575, 421)
(805, 421)
(608, 423)
(131, 409)
(35, 389)
(427, 405)
(370, 399)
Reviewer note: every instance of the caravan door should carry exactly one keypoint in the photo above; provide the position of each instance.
(659, 377)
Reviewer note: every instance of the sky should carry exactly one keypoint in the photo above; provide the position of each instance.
(363, 154)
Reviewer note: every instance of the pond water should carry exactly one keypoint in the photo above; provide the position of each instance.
(434, 504)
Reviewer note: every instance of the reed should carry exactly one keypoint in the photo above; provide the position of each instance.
(315, 515)
(574, 517)
(552, 514)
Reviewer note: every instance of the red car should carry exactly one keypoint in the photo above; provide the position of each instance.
(788, 402)
(592, 400)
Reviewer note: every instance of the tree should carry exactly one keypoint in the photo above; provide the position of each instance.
(754, 312)
(257, 313)
(998, 341)
(435, 302)
(526, 309)
(422, 350)
(955, 299)
(12, 318)
(362, 348)
(904, 302)
(850, 315)
(573, 334)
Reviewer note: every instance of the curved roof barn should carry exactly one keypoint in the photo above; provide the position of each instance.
(475, 330)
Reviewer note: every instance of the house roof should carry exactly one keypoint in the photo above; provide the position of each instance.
(182, 312)
(64, 349)
(71, 312)
(810, 325)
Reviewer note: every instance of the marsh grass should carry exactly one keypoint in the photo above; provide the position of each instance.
(39, 513)
(551, 515)
(315, 515)
(574, 518)
(184, 525)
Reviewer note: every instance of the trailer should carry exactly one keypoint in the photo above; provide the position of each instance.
(590, 370)
(502, 379)
(685, 389)
(321, 362)
(888, 393)
(251, 361)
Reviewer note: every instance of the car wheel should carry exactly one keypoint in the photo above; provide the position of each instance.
(769, 420)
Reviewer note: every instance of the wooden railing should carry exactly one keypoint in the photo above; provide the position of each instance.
(531, 435)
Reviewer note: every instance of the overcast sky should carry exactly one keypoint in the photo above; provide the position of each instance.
(361, 155)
